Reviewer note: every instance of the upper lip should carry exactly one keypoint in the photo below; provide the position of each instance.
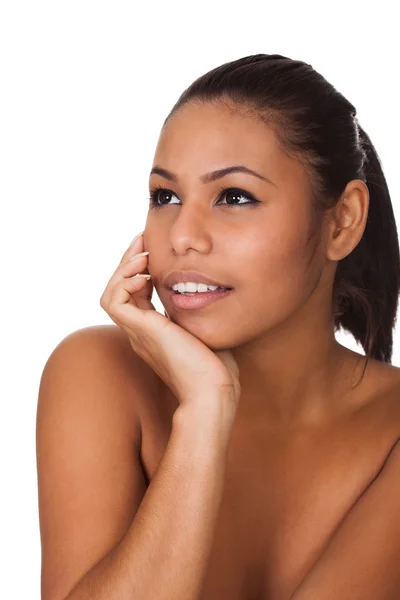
(185, 276)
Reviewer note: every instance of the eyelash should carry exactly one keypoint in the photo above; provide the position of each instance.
(154, 196)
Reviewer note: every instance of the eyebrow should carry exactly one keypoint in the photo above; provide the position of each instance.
(213, 175)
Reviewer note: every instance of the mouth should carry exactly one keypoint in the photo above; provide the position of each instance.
(217, 291)
(193, 277)
(197, 300)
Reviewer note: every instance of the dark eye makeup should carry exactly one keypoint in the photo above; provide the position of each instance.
(157, 190)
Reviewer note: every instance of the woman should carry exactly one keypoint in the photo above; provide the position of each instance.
(269, 463)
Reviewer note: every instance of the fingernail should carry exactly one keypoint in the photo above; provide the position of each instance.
(137, 255)
(136, 237)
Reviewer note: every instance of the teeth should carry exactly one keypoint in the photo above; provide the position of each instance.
(190, 286)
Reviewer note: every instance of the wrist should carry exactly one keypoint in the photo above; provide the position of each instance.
(211, 417)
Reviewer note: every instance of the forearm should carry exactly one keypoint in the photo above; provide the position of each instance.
(165, 552)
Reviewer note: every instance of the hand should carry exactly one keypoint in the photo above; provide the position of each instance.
(188, 367)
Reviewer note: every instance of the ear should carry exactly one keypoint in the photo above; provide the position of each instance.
(347, 225)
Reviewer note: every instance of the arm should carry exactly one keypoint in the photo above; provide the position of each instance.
(165, 551)
(362, 559)
(103, 534)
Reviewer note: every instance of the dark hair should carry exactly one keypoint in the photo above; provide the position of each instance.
(318, 125)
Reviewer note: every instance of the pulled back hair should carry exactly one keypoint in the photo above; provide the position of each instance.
(316, 124)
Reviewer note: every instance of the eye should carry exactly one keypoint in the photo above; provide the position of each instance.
(155, 193)
(232, 194)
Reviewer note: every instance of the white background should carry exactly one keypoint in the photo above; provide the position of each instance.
(85, 87)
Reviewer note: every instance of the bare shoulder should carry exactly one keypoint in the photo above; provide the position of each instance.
(106, 349)
(387, 377)
(392, 396)
(384, 383)
(88, 439)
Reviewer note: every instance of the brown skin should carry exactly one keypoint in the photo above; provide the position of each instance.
(278, 321)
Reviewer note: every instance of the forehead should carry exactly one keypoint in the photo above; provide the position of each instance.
(201, 138)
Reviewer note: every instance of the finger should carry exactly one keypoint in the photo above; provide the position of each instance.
(129, 290)
(135, 247)
(126, 271)
(138, 265)
(121, 303)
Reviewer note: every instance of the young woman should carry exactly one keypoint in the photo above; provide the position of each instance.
(232, 448)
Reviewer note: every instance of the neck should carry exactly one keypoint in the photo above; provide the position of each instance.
(297, 374)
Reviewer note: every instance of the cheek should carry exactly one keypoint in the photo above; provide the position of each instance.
(282, 273)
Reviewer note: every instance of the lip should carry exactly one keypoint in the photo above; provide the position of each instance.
(185, 276)
(197, 300)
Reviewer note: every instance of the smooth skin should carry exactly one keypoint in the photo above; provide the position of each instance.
(309, 484)
(278, 320)
(297, 381)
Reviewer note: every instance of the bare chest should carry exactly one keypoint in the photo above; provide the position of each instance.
(281, 504)
(282, 499)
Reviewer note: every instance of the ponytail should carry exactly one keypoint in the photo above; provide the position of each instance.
(315, 121)
(367, 281)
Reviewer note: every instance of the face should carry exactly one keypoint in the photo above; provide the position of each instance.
(252, 234)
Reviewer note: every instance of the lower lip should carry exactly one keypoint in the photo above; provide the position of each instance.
(198, 300)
